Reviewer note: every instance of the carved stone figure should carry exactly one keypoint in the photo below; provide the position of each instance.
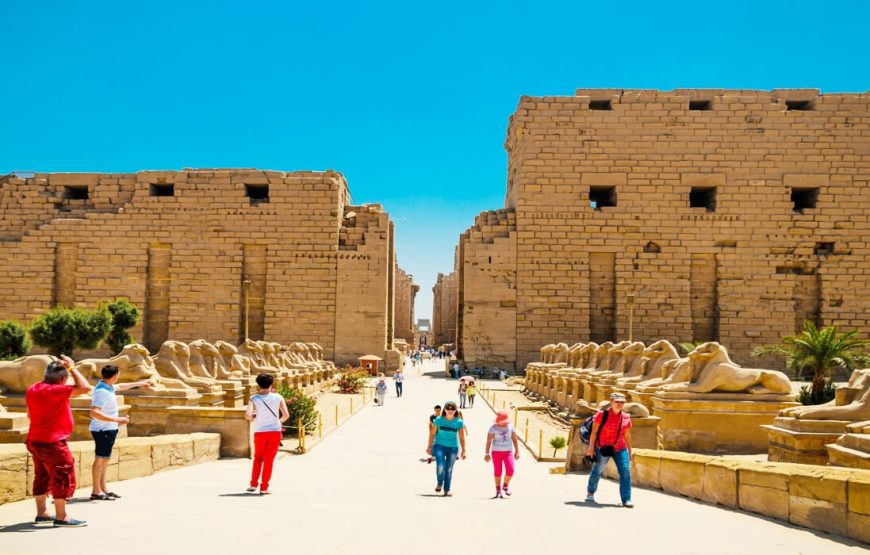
(19, 374)
(251, 350)
(631, 363)
(173, 362)
(231, 362)
(656, 355)
(852, 402)
(586, 357)
(714, 371)
(135, 365)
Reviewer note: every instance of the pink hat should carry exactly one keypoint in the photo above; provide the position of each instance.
(502, 417)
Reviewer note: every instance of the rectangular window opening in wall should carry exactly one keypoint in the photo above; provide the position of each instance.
(703, 197)
(600, 105)
(257, 193)
(823, 249)
(162, 190)
(600, 197)
(76, 192)
(803, 198)
(700, 105)
(798, 105)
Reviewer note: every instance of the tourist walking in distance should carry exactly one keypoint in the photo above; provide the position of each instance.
(381, 391)
(472, 391)
(611, 438)
(502, 448)
(51, 424)
(398, 379)
(105, 421)
(463, 393)
(267, 410)
(446, 438)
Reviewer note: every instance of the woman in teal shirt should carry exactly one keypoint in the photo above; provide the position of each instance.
(446, 435)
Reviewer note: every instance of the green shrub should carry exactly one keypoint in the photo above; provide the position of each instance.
(14, 341)
(62, 330)
(125, 315)
(352, 381)
(299, 405)
(805, 395)
(558, 442)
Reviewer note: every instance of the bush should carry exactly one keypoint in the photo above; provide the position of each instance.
(352, 381)
(125, 315)
(62, 330)
(805, 395)
(558, 442)
(14, 341)
(299, 405)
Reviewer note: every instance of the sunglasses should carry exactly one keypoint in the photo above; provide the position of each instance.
(452, 410)
(618, 402)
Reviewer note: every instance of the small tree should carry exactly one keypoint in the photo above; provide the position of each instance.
(14, 341)
(352, 381)
(558, 442)
(819, 351)
(125, 315)
(62, 330)
(299, 405)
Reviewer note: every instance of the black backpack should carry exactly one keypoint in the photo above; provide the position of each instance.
(586, 427)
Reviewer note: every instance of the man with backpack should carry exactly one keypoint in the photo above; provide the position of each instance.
(610, 438)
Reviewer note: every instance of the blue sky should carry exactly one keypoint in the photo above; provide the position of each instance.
(409, 101)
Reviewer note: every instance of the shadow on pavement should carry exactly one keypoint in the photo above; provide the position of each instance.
(242, 494)
(586, 505)
(26, 527)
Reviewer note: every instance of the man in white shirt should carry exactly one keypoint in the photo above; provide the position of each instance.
(104, 426)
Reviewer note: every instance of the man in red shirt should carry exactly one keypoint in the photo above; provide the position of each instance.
(51, 423)
(612, 440)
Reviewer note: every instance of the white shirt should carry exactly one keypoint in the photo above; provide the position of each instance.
(104, 398)
(266, 420)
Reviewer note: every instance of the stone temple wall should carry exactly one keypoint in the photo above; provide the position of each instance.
(406, 291)
(731, 215)
(179, 244)
(444, 309)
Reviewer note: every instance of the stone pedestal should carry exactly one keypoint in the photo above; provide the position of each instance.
(852, 449)
(644, 397)
(234, 394)
(716, 423)
(802, 441)
(13, 427)
(149, 412)
(234, 430)
(81, 411)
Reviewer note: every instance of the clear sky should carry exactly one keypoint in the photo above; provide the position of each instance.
(409, 100)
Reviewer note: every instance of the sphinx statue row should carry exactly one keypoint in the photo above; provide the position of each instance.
(177, 368)
(590, 371)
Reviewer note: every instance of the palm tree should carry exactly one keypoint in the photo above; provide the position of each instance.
(819, 350)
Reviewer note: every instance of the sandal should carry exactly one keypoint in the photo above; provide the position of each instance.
(101, 497)
(113, 495)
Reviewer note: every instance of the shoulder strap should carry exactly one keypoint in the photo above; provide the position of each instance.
(603, 422)
(265, 404)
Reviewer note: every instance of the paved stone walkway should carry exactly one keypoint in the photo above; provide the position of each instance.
(364, 491)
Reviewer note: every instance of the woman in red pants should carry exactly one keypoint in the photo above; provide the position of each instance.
(264, 410)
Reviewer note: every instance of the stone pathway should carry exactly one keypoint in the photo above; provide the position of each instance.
(363, 490)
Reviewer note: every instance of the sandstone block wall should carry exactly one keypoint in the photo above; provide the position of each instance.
(731, 215)
(444, 305)
(180, 244)
(406, 291)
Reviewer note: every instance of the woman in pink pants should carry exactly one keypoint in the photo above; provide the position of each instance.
(502, 449)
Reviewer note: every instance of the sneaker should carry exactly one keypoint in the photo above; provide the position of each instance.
(448, 494)
(251, 489)
(113, 495)
(41, 519)
(265, 492)
(437, 489)
(506, 491)
(590, 498)
(71, 523)
(628, 504)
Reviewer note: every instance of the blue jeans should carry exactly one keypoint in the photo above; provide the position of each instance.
(445, 457)
(398, 389)
(623, 465)
(462, 398)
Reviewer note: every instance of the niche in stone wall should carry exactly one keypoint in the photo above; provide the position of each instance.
(602, 296)
(158, 284)
(254, 269)
(65, 267)
(703, 297)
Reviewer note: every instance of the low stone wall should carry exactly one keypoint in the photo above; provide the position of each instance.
(132, 457)
(832, 500)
